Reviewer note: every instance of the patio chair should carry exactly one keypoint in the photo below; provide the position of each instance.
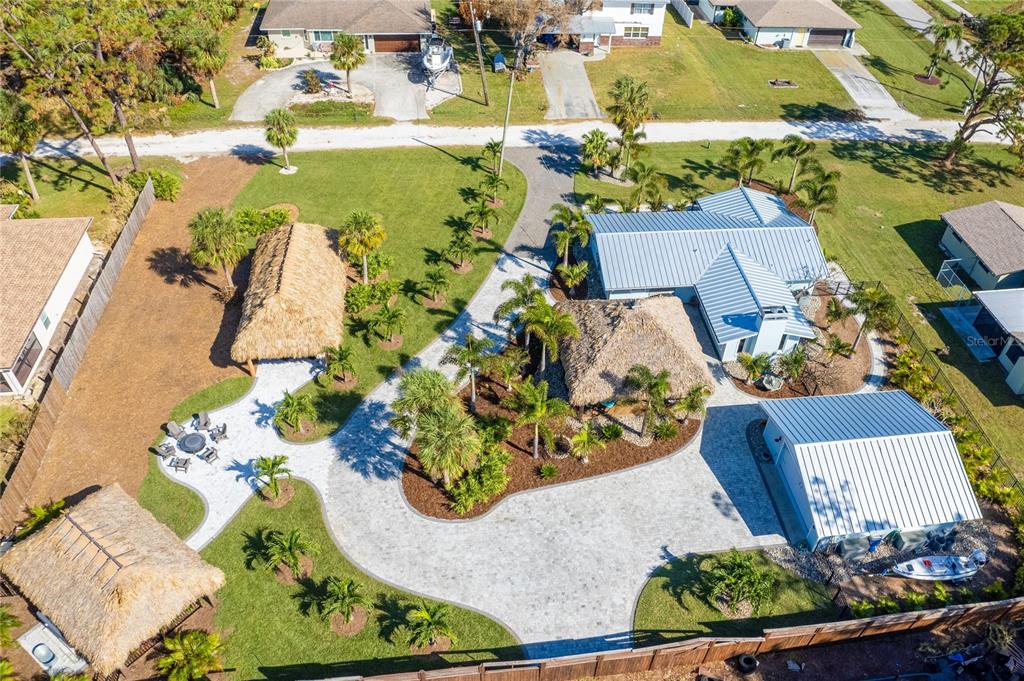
(202, 421)
(209, 455)
(180, 463)
(219, 433)
(174, 430)
(165, 450)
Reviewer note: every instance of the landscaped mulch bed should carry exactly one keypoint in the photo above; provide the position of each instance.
(430, 499)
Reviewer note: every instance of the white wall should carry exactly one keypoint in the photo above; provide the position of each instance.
(710, 11)
(619, 12)
(1015, 375)
(289, 46)
(774, 37)
(969, 261)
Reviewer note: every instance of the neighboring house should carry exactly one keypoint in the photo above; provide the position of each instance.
(864, 467)
(988, 239)
(620, 23)
(42, 262)
(299, 27)
(789, 23)
(1000, 322)
(713, 10)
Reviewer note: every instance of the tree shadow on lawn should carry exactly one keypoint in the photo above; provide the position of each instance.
(923, 236)
(84, 172)
(704, 170)
(820, 111)
(335, 406)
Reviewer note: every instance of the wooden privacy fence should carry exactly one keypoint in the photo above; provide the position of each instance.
(690, 654)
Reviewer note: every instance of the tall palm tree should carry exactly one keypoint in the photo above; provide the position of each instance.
(492, 184)
(534, 406)
(650, 388)
(573, 225)
(694, 402)
(551, 326)
(460, 248)
(756, 366)
(524, 292)
(419, 392)
(436, 283)
(796, 149)
(190, 655)
(793, 363)
(430, 622)
(595, 149)
(347, 54)
(630, 108)
(878, 307)
(281, 131)
(447, 441)
(389, 322)
(574, 275)
(481, 216)
(19, 134)
(509, 364)
(342, 597)
(586, 441)
(648, 182)
(746, 157)
(202, 53)
(491, 153)
(470, 358)
(361, 234)
(943, 33)
(8, 622)
(820, 192)
(293, 409)
(338, 363)
(217, 241)
(629, 147)
(271, 468)
(289, 549)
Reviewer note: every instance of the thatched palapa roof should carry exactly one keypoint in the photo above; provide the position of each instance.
(296, 296)
(615, 335)
(109, 575)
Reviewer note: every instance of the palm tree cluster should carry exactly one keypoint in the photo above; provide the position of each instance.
(190, 655)
(629, 110)
(572, 227)
(652, 390)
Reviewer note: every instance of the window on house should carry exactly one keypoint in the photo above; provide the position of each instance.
(635, 32)
(323, 36)
(286, 34)
(641, 8)
(1014, 353)
(30, 352)
(5, 385)
(44, 319)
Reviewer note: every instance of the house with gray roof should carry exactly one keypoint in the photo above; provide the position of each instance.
(988, 240)
(865, 467)
(812, 24)
(1000, 325)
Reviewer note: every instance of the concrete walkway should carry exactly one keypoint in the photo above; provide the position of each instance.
(567, 86)
(864, 88)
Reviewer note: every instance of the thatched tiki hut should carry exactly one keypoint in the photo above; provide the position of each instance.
(616, 334)
(296, 296)
(109, 576)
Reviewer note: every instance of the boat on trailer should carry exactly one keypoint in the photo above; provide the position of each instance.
(437, 58)
(940, 568)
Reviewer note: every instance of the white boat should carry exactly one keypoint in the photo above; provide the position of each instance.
(437, 58)
(940, 568)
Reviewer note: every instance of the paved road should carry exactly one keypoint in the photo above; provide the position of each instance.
(862, 85)
(567, 87)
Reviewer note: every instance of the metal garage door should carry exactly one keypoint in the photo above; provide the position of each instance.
(826, 37)
(396, 43)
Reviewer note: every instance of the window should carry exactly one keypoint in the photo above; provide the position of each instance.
(323, 36)
(286, 34)
(44, 319)
(30, 352)
(635, 32)
(641, 8)
(5, 385)
(1014, 353)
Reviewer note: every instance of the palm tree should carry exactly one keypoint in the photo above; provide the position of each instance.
(551, 326)
(648, 182)
(586, 441)
(574, 227)
(820, 193)
(447, 441)
(509, 365)
(796, 149)
(430, 622)
(745, 156)
(460, 248)
(595, 150)
(361, 234)
(281, 131)
(943, 33)
(271, 468)
(293, 409)
(793, 363)
(574, 275)
(594, 204)
(342, 597)
(191, 655)
(694, 402)
(524, 292)
(491, 153)
(19, 134)
(629, 147)
(338, 363)
(652, 389)
(7, 623)
(630, 108)
(289, 549)
(756, 366)
(878, 307)
(836, 310)
(419, 391)
(388, 322)
(217, 241)
(7, 671)
(470, 358)
(481, 216)
(837, 346)
(436, 283)
(491, 185)
(202, 55)
(537, 408)
(347, 54)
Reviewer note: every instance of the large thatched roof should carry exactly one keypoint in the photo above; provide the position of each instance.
(615, 335)
(296, 296)
(109, 576)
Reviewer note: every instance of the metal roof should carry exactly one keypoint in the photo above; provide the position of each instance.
(1007, 307)
(760, 208)
(877, 461)
(735, 289)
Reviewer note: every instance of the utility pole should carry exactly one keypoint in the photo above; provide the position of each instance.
(508, 113)
(479, 52)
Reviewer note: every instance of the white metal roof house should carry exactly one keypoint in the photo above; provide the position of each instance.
(42, 263)
(988, 239)
(1000, 321)
(866, 466)
(812, 24)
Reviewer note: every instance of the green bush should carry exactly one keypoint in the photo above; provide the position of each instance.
(166, 185)
(358, 297)
(913, 600)
(493, 429)
(665, 430)
(311, 83)
(12, 194)
(548, 471)
(886, 606)
(483, 483)
(377, 263)
(39, 516)
(612, 431)
(941, 595)
(731, 18)
(862, 609)
(383, 291)
(965, 595)
(254, 222)
(736, 578)
(13, 425)
(267, 62)
(996, 591)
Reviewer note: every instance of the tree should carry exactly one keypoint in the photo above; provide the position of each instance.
(202, 53)
(460, 248)
(271, 468)
(8, 622)
(735, 578)
(694, 402)
(756, 366)
(492, 184)
(837, 346)
(436, 283)
(943, 33)
(574, 275)
(19, 134)
(997, 55)
(526, 20)
(389, 322)
(595, 150)
(630, 108)
(745, 156)
(481, 216)
(509, 365)
(524, 293)
(836, 310)
(338, 363)
(419, 392)
(217, 241)
(289, 549)
(347, 54)
(470, 358)
(430, 622)
(878, 308)
(647, 183)
(535, 407)
(573, 225)
(342, 597)
(281, 131)
(190, 655)
(820, 192)
(491, 153)
(793, 363)
(447, 441)
(550, 326)
(586, 441)
(796, 149)
(650, 388)
(361, 234)
(293, 409)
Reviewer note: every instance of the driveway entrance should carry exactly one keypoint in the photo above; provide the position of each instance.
(870, 95)
(567, 86)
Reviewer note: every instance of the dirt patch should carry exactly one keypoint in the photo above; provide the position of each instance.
(283, 573)
(430, 499)
(164, 309)
(392, 344)
(442, 645)
(464, 268)
(285, 492)
(923, 78)
(342, 628)
(432, 304)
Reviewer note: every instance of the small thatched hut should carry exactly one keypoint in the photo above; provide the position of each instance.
(616, 334)
(296, 296)
(109, 575)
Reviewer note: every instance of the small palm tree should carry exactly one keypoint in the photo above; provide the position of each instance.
(7, 671)
(8, 622)
(820, 192)
(509, 365)
(481, 216)
(878, 307)
(447, 441)
(419, 391)
(338, 363)
(595, 204)
(491, 154)
(492, 184)
(796, 149)
(470, 358)
(271, 468)
(574, 275)
(943, 33)
(746, 156)
(436, 283)
(550, 326)
(756, 366)
(217, 241)
(389, 322)
(585, 442)
(524, 293)
(574, 227)
(836, 310)
(430, 622)
(361, 234)
(595, 150)
(836, 346)
(647, 181)
(190, 655)
(289, 549)
(342, 597)
(537, 408)
(347, 54)
(281, 131)
(694, 402)
(460, 248)
(650, 388)
(293, 409)
(793, 363)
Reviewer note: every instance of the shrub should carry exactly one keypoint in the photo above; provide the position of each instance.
(383, 291)
(665, 430)
(13, 426)
(39, 516)
(731, 18)
(735, 578)
(358, 297)
(965, 595)
(377, 263)
(913, 600)
(268, 63)
(996, 591)
(254, 222)
(862, 609)
(12, 194)
(493, 429)
(612, 431)
(166, 185)
(483, 483)
(941, 595)
(121, 203)
(548, 471)
(311, 84)
(886, 606)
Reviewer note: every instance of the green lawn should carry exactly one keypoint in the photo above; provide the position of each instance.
(675, 603)
(417, 192)
(986, 6)
(175, 505)
(697, 74)
(887, 228)
(898, 52)
(266, 635)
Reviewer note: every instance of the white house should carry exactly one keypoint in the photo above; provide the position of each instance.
(812, 24)
(301, 28)
(865, 467)
(1000, 322)
(42, 263)
(988, 240)
(620, 23)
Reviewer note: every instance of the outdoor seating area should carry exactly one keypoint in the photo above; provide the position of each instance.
(197, 438)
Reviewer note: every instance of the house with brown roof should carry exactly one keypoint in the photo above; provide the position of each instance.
(814, 24)
(42, 263)
(302, 28)
(988, 241)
